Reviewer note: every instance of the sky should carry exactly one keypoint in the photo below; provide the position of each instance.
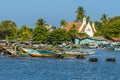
(26, 12)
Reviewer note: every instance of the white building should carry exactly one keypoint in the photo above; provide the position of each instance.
(82, 27)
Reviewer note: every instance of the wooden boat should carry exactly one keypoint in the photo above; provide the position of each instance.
(116, 47)
(35, 53)
(79, 51)
(9, 50)
(73, 54)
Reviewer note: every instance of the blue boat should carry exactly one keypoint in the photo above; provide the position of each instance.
(35, 53)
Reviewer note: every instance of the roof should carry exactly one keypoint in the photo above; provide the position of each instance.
(81, 37)
(116, 38)
(70, 24)
(93, 28)
(83, 29)
(98, 38)
(77, 26)
(94, 37)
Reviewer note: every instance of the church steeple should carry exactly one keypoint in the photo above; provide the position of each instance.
(84, 20)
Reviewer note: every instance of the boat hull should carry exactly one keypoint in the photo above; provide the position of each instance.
(40, 55)
(34, 53)
(69, 55)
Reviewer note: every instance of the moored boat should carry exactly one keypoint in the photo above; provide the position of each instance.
(116, 47)
(35, 53)
(74, 53)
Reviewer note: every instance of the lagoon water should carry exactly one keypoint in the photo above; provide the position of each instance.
(29, 68)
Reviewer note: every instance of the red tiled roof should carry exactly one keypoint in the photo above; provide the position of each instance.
(98, 38)
(81, 37)
(94, 37)
(69, 25)
(83, 29)
(77, 26)
(116, 38)
(92, 28)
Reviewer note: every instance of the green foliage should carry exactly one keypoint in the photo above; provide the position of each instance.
(40, 34)
(57, 36)
(88, 19)
(99, 28)
(82, 34)
(13, 35)
(63, 23)
(98, 25)
(108, 27)
(113, 29)
(40, 22)
(7, 29)
(25, 33)
(104, 18)
(72, 32)
(80, 13)
(113, 19)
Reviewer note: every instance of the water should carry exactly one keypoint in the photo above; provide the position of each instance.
(28, 68)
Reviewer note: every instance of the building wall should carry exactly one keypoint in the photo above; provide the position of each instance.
(88, 41)
(77, 41)
(89, 30)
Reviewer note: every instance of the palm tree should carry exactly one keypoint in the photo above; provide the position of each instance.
(80, 13)
(104, 18)
(88, 19)
(63, 23)
(40, 22)
(25, 33)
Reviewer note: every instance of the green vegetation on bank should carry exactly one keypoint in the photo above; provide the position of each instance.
(107, 27)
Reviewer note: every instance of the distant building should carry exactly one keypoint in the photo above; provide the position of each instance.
(50, 27)
(89, 40)
(115, 39)
(82, 27)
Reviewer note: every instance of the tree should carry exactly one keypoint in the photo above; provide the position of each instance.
(109, 28)
(104, 18)
(40, 22)
(80, 13)
(99, 28)
(40, 34)
(113, 29)
(82, 34)
(63, 23)
(7, 28)
(88, 19)
(72, 32)
(25, 33)
(58, 36)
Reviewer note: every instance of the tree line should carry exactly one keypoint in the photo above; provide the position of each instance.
(107, 27)
(10, 31)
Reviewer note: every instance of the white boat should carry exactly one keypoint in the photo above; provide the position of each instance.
(74, 53)
(116, 48)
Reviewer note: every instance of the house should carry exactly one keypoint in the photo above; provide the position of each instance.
(50, 27)
(81, 27)
(89, 40)
(115, 39)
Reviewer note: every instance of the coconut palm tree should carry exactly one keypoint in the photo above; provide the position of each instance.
(104, 18)
(63, 23)
(40, 22)
(80, 13)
